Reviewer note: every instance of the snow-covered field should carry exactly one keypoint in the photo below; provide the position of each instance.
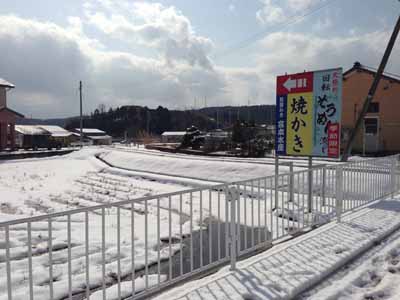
(213, 170)
(41, 186)
(34, 187)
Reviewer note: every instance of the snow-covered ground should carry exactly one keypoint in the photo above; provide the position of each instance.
(41, 186)
(37, 186)
(33, 187)
(373, 275)
(298, 160)
(214, 170)
(292, 267)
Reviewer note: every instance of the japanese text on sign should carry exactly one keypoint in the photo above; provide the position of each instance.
(309, 113)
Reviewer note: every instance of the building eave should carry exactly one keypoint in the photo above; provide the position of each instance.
(12, 111)
(361, 69)
(6, 84)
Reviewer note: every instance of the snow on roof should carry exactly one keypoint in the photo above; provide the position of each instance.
(6, 83)
(170, 133)
(89, 130)
(99, 137)
(56, 131)
(221, 134)
(30, 130)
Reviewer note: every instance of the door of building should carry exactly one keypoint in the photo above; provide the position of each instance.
(371, 134)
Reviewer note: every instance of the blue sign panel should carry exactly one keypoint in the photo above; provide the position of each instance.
(281, 119)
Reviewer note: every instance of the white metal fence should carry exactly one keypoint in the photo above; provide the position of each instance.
(136, 247)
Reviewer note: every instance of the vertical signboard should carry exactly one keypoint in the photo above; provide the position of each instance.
(309, 113)
(280, 136)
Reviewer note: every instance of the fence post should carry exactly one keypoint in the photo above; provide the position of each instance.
(231, 195)
(339, 192)
(276, 195)
(323, 185)
(310, 184)
(393, 176)
(291, 182)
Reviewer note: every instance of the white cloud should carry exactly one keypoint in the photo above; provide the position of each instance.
(42, 59)
(284, 52)
(75, 25)
(323, 24)
(298, 5)
(294, 52)
(273, 12)
(270, 13)
(232, 7)
(153, 25)
(46, 62)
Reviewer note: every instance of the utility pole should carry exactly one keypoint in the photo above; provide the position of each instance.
(81, 117)
(372, 91)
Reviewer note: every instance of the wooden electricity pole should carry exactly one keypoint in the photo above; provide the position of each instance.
(372, 91)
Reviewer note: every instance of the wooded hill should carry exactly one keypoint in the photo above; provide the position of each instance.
(137, 120)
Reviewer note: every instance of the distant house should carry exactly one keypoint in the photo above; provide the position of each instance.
(95, 136)
(59, 135)
(172, 136)
(31, 137)
(216, 140)
(218, 134)
(381, 125)
(8, 118)
(42, 136)
(267, 131)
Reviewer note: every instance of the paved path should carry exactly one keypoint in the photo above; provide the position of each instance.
(289, 268)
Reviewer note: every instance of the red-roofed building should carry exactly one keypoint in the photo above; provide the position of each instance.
(7, 118)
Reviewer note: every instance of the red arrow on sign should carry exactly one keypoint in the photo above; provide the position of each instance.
(295, 83)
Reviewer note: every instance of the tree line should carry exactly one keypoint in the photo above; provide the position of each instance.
(132, 121)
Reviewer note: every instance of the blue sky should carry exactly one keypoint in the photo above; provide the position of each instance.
(177, 52)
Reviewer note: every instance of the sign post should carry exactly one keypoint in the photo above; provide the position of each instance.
(276, 180)
(310, 184)
(308, 117)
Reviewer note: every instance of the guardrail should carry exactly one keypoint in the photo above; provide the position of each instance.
(136, 247)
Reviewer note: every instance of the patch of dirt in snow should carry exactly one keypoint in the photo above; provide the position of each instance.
(7, 208)
(248, 296)
(340, 249)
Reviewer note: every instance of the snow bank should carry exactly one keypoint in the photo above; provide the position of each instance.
(218, 171)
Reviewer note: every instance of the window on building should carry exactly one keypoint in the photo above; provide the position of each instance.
(373, 107)
(371, 125)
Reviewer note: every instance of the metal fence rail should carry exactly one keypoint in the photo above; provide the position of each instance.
(135, 247)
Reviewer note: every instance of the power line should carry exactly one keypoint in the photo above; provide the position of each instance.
(257, 36)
